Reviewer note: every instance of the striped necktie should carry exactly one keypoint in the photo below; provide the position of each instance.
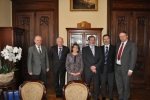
(60, 51)
(39, 50)
(106, 55)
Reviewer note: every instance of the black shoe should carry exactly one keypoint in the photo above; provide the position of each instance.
(60, 95)
(103, 98)
(111, 99)
(57, 96)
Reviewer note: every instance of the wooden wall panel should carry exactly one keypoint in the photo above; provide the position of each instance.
(134, 18)
(44, 27)
(37, 17)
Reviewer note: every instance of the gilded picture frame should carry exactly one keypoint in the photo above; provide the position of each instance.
(83, 5)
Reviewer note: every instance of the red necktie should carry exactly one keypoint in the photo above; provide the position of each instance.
(120, 51)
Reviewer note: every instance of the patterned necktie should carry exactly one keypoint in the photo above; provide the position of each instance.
(60, 50)
(106, 55)
(120, 52)
(39, 50)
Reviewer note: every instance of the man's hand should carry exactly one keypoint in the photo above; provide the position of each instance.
(129, 73)
(94, 71)
(93, 68)
(47, 69)
(30, 73)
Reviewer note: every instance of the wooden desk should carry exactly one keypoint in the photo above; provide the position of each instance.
(6, 86)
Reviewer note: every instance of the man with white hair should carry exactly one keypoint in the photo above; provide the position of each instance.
(58, 56)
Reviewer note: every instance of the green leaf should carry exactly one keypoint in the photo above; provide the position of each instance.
(14, 69)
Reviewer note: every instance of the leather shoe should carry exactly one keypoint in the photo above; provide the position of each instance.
(57, 96)
(111, 99)
(103, 98)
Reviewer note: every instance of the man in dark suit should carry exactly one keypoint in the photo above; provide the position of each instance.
(92, 59)
(58, 56)
(107, 67)
(38, 63)
(126, 54)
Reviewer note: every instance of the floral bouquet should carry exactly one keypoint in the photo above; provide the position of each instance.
(10, 54)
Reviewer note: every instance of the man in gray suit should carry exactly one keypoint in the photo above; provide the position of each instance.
(126, 54)
(38, 63)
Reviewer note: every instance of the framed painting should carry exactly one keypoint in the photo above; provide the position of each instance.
(83, 5)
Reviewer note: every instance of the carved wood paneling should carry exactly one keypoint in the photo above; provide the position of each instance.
(136, 24)
(44, 28)
(129, 5)
(36, 6)
(120, 21)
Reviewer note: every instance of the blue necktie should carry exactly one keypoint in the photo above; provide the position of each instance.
(106, 55)
(59, 53)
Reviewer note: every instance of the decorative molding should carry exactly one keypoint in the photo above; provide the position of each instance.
(25, 20)
(44, 20)
(121, 20)
(36, 6)
(129, 5)
(141, 20)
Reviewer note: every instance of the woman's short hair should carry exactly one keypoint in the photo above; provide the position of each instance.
(75, 44)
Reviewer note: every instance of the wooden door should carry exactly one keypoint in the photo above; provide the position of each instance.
(139, 35)
(26, 21)
(44, 28)
(136, 25)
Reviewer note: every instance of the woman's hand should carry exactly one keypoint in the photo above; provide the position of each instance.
(75, 74)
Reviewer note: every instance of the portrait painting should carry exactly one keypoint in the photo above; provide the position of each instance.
(83, 5)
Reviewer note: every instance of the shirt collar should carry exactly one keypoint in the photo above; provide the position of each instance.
(37, 46)
(124, 42)
(107, 45)
(60, 47)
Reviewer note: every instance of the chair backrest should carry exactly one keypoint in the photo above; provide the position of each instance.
(76, 90)
(32, 90)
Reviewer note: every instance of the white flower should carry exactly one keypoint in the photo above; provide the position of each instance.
(15, 50)
(18, 57)
(19, 50)
(11, 54)
(14, 60)
(9, 48)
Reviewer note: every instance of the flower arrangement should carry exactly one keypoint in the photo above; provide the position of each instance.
(11, 55)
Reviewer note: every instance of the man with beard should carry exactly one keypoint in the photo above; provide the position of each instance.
(107, 67)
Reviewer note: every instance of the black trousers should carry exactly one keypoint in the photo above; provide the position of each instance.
(59, 81)
(107, 77)
(41, 76)
(96, 80)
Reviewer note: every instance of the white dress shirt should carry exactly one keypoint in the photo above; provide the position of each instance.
(37, 47)
(119, 61)
(92, 49)
(59, 49)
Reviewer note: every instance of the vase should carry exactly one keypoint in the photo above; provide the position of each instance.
(5, 78)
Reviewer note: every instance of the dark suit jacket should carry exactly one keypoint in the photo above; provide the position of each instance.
(56, 62)
(110, 59)
(128, 58)
(37, 61)
(89, 59)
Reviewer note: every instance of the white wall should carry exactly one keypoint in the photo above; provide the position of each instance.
(5, 13)
(67, 18)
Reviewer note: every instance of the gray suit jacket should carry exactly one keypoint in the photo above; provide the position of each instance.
(128, 58)
(37, 61)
